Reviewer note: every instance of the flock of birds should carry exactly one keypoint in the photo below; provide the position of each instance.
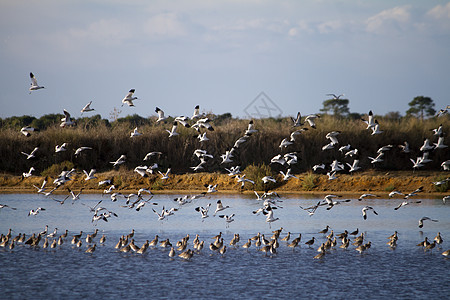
(270, 200)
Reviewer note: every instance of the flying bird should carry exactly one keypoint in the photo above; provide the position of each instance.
(367, 208)
(87, 108)
(34, 85)
(129, 98)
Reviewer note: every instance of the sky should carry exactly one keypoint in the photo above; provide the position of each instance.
(254, 58)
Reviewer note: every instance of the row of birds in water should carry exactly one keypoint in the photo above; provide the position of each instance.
(269, 246)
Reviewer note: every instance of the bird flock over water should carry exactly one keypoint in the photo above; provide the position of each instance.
(270, 200)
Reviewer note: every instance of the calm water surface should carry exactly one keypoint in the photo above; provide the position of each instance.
(67, 272)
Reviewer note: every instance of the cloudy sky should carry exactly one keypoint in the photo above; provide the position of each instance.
(227, 56)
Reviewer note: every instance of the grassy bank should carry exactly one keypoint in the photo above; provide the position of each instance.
(376, 182)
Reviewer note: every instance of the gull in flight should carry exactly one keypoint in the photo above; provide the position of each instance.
(425, 219)
(89, 175)
(355, 166)
(220, 207)
(288, 175)
(203, 210)
(129, 98)
(196, 113)
(363, 196)
(440, 143)
(161, 116)
(202, 123)
(426, 146)
(335, 97)
(173, 132)
(297, 132)
(36, 211)
(269, 216)
(329, 201)
(74, 196)
(165, 175)
(365, 209)
(405, 147)
(31, 155)
(119, 161)
(243, 180)
(42, 188)
(332, 136)
(250, 130)
(5, 205)
(312, 209)
(437, 131)
(26, 175)
(61, 148)
(406, 202)
(202, 137)
(311, 119)
(370, 121)
(27, 130)
(297, 121)
(135, 133)
(443, 111)
(376, 128)
(80, 149)
(285, 143)
(151, 154)
(266, 179)
(67, 121)
(228, 219)
(87, 108)
(34, 85)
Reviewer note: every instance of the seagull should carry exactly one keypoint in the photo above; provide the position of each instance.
(196, 113)
(151, 154)
(332, 136)
(135, 133)
(89, 175)
(161, 116)
(203, 210)
(311, 120)
(335, 97)
(446, 198)
(297, 121)
(445, 165)
(365, 209)
(288, 175)
(332, 175)
(424, 219)
(34, 85)
(36, 211)
(87, 108)
(243, 180)
(26, 175)
(363, 196)
(165, 175)
(405, 147)
(266, 179)
(297, 132)
(426, 146)
(141, 170)
(27, 130)
(437, 131)
(228, 219)
(278, 159)
(417, 163)
(93, 209)
(443, 111)
(312, 209)
(406, 202)
(67, 121)
(7, 206)
(31, 155)
(202, 123)
(129, 98)
(269, 213)
(441, 182)
(161, 216)
(316, 167)
(220, 207)
(377, 159)
(250, 130)
(42, 188)
(202, 137)
(200, 165)
(173, 132)
(393, 193)
(119, 161)
(211, 188)
(80, 149)
(355, 166)
(227, 157)
(376, 128)
(440, 143)
(370, 121)
(329, 201)
(414, 193)
(60, 148)
(285, 143)
(233, 171)
(75, 197)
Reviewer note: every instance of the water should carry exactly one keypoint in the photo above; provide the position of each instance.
(67, 272)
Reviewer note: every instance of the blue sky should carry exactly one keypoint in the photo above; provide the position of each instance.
(222, 55)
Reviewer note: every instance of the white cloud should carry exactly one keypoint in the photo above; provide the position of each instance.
(439, 18)
(165, 25)
(389, 20)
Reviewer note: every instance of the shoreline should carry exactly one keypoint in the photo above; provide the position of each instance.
(308, 183)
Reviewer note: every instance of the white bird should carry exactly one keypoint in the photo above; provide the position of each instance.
(26, 175)
(31, 155)
(36, 211)
(328, 146)
(426, 146)
(279, 159)
(355, 166)
(34, 85)
(297, 132)
(332, 136)
(165, 176)
(119, 161)
(365, 209)
(173, 131)
(227, 157)
(319, 166)
(266, 179)
(406, 202)
(269, 215)
(405, 147)
(363, 196)
(74, 196)
(42, 188)
(443, 111)
(183, 120)
(446, 198)
(332, 175)
(393, 193)
(161, 216)
(240, 141)
(250, 129)
(336, 166)
(90, 175)
(440, 143)
(161, 116)
(445, 165)
(129, 98)
(233, 171)
(376, 128)
(417, 163)
(200, 165)
(376, 159)
(203, 210)
(87, 108)
(345, 148)
(5, 205)
(330, 202)
(203, 123)
(228, 219)
(220, 207)
(414, 193)
(202, 137)
(211, 188)
(243, 180)
(80, 149)
(351, 153)
(311, 120)
(425, 219)
(288, 175)
(370, 121)
(141, 170)
(312, 209)
(285, 143)
(438, 131)
(297, 121)
(67, 120)
(135, 133)
(60, 148)
(151, 154)
(196, 113)
(27, 130)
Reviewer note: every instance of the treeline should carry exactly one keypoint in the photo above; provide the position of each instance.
(109, 140)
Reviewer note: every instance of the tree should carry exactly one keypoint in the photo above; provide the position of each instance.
(338, 107)
(421, 106)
